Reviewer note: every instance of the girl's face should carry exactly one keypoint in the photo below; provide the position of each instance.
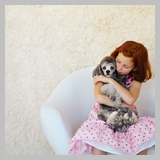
(124, 64)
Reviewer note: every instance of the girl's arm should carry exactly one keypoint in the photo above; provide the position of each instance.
(128, 96)
(103, 99)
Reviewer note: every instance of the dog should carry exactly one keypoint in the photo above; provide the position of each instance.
(107, 67)
(117, 118)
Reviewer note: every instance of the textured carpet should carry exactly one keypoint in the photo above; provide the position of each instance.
(43, 44)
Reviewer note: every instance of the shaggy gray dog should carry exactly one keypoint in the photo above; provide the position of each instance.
(117, 118)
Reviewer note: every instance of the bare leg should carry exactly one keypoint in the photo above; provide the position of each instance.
(96, 151)
(144, 152)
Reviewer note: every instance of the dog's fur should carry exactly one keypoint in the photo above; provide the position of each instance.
(117, 118)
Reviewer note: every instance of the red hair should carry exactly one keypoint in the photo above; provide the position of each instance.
(140, 58)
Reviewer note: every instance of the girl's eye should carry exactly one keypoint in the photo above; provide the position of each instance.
(126, 67)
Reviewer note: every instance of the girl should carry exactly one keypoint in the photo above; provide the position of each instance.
(94, 135)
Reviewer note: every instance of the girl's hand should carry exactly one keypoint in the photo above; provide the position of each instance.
(101, 78)
(128, 106)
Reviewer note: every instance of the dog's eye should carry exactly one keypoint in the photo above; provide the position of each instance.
(104, 67)
(112, 67)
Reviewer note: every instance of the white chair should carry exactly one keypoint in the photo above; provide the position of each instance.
(70, 103)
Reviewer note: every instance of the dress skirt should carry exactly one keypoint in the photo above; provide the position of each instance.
(95, 133)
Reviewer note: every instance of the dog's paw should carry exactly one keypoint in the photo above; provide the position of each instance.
(122, 129)
(124, 110)
(101, 117)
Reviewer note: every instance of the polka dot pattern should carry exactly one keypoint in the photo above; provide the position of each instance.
(96, 130)
(129, 81)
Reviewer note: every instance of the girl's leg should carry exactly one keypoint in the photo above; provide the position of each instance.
(144, 152)
(96, 151)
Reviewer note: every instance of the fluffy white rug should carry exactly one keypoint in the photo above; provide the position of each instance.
(43, 44)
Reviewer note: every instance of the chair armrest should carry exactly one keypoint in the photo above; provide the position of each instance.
(54, 126)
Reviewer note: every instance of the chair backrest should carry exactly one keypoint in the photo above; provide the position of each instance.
(74, 97)
(146, 100)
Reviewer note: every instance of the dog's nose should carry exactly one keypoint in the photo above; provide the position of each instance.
(107, 71)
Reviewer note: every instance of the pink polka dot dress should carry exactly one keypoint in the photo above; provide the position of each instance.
(95, 133)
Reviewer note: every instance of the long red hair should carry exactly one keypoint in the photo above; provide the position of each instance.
(140, 58)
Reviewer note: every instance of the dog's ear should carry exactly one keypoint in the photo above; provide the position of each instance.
(97, 71)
